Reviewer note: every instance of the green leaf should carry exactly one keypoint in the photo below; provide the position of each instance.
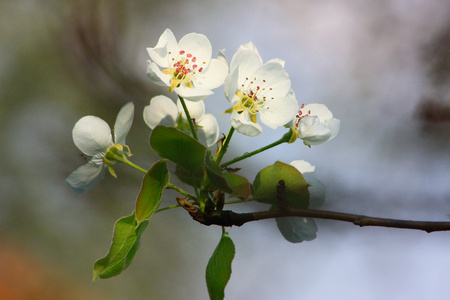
(193, 179)
(240, 185)
(150, 196)
(125, 243)
(265, 185)
(218, 271)
(178, 147)
(215, 175)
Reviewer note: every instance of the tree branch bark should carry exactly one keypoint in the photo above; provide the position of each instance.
(229, 218)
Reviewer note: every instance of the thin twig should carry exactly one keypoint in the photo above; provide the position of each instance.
(229, 218)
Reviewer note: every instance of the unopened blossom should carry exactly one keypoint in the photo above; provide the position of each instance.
(186, 67)
(314, 124)
(163, 111)
(92, 136)
(254, 87)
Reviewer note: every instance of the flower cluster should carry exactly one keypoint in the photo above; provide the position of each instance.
(258, 92)
(181, 132)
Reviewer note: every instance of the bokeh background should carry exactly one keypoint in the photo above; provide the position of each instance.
(382, 67)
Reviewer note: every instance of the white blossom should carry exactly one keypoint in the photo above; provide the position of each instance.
(92, 136)
(187, 67)
(314, 124)
(255, 88)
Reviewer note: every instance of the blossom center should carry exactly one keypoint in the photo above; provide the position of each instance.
(182, 68)
(252, 98)
(301, 114)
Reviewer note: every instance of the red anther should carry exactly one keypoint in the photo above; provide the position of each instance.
(189, 55)
(194, 59)
(201, 69)
(187, 61)
(303, 105)
(182, 52)
(194, 66)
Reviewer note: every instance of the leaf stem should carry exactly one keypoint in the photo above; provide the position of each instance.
(181, 191)
(188, 116)
(284, 139)
(167, 208)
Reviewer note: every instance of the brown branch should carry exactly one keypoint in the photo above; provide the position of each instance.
(229, 218)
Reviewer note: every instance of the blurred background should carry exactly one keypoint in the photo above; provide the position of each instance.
(382, 67)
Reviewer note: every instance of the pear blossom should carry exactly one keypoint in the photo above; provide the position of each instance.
(92, 136)
(187, 67)
(163, 111)
(255, 87)
(314, 124)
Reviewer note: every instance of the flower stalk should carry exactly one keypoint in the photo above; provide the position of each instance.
(284, 139)
(188, 116)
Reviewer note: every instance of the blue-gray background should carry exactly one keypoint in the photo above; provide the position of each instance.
(382, 67)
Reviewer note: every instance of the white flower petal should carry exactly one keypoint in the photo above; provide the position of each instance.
(161, 111)
(193, 94)
(196, 109)
(213, 77)
(92, 135)
(243, 125)
(155, 74)
(221, 56)
(248, 58)
(297, 229)
(319, 110)
(274, 78)
(312, 131)
(230, 86)
(208, 130)
(166, 43)
(316, 190)
(198, 45)
(123, 123)
(334, 125)
(303, 166)
(280, 111)
(277, 60)
(86, 177)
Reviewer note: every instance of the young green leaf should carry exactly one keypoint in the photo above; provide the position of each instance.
(265, 185)
(215, 175)
(218, 271)
(240, 185)
(126, 240)
(193, 179)
(150, 196)
(178, 147)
